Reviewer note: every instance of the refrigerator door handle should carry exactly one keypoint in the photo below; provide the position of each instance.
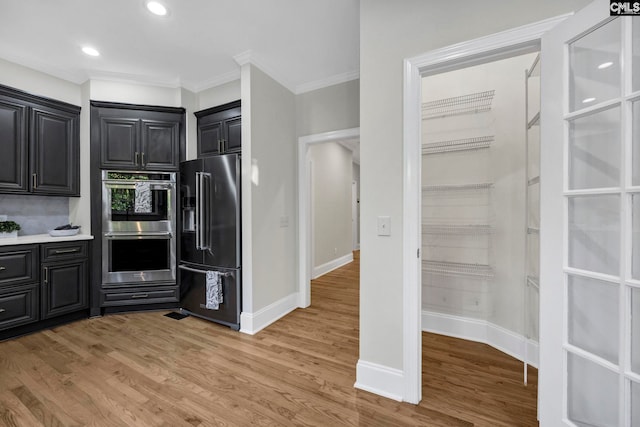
(206, 201)
(198, 213)
(195, 270)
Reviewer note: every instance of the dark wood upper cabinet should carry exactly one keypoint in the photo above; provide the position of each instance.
(40, 145)
(160, 145)
(137, 137)
(14, 168)
(55, 152)
(219, 129)
(119, 143)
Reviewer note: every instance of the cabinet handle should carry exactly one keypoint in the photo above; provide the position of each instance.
(142, 163)
(2, 310)
(2, 268)
(224, 144)
(138, 296)
(219, 146)
(66, 251)
(46, 274)
(34, 180)
(137, 157)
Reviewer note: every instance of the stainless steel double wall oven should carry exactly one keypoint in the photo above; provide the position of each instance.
(138, 227)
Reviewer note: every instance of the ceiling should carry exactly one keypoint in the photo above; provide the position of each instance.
(303, 44)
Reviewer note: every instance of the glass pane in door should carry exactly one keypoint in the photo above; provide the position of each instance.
(635, 404)
(635, 236)
(594, 150)
(635, 154)
(593, 316)
(594, 233)
(635, 331)
(636, 53)
(593, 393)
(594, 61)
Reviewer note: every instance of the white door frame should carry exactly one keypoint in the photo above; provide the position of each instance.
(304, 207)
(355, 221)
(501, 45)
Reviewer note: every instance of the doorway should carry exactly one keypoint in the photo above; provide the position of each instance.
(584, 224)
(510, 43)
(479, 227)
(305, 261)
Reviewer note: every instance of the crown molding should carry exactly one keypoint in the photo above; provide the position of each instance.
(42, 67)
(197, 87)
(329, 81)
(248, 57)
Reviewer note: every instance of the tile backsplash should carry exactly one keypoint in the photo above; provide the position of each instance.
(35, 214)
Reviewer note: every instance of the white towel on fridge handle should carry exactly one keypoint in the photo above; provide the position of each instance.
(214, 290)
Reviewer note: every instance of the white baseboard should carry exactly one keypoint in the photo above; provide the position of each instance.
(482, 331)
(252, 323)
(379, 379)
(331, 265)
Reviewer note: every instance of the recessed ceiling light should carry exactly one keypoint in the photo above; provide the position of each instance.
(156, 8)
(605, 65)
(588, 100)
(90, 51)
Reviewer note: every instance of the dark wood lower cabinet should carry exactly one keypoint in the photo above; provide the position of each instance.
(18, 306)
(64, 288)
(42, 285)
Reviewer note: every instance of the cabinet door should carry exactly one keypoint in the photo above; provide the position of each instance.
(233, 135)
(119, 148)
(55, 152)
(13, 136)
(209, 137)
(64, 288)
(160, 148)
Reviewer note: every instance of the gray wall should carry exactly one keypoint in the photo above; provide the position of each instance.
(332, 108)
(389, 33)
(271, 150)
(331, 201)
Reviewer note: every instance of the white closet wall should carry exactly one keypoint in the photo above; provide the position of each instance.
(473, 199)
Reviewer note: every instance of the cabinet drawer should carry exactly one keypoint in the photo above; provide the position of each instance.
(18, 306)
(63, 250)
(18, 264)
(117, 297)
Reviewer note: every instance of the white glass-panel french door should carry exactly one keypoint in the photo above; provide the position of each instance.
(590, 221)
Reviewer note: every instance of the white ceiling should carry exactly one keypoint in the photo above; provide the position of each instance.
(304, 44)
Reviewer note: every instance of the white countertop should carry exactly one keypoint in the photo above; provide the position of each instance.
(42, 238)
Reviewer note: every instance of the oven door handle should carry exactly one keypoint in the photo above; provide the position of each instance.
(135, 236)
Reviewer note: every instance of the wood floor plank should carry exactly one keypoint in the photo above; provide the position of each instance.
(145, 369)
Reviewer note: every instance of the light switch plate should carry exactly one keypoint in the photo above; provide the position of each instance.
(384, 226)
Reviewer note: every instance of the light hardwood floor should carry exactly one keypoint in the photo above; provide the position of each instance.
(146, 369)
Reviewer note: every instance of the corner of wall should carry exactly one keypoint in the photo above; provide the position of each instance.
(379, 379)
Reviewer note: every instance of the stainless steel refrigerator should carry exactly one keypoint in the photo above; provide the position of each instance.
(210, 238)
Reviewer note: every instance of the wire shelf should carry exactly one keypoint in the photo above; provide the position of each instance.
(457, 268)
(466, 104)
(458, 145)
(457, 187)
(457, 229)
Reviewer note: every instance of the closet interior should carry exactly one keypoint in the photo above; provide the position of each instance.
(480, 204)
